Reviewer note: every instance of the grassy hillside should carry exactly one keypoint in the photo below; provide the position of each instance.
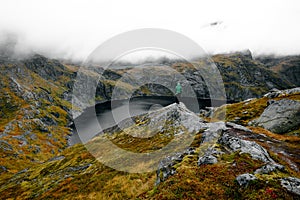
(37, 163)
(34, 116)
(76, 174)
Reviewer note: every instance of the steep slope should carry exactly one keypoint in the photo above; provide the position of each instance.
(243, 77)
(246, 78)
(287, 66)
(34, 111)
(35, 102)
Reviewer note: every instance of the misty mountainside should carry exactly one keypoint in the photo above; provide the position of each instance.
(243, 77)
(288, 67)
(36, 95)
(223, 160)
(36, 111)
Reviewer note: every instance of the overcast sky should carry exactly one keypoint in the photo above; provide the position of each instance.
(73, 29)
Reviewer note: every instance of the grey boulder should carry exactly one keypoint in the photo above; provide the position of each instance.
(292, 184)
(281, 116)
(244, 146)
(209, 159)
(270, 167)
(245, 179)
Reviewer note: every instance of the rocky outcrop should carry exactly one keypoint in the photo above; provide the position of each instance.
(218, 146)
(227, 136)
(209, 157)
(220, 138)
(47, 68)
(175, 121)
(246, 78)
(292, 184)
(230, 137)
(166, 166)
(277, 93)
(270, 167)
(280, 116)
(245, 179)
(236, 144)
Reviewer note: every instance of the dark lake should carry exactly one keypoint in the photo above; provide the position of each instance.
(104, 115)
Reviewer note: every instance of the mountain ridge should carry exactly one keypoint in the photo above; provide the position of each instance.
(36, 112)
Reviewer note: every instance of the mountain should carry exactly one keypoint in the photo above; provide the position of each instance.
(245, 77)
(287, 66)
(35, 111)
(36, 114)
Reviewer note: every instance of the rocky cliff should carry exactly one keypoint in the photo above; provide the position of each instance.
(287, 66)
(243, 77)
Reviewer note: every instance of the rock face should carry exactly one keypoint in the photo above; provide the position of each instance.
(288, 67)
(245, 179)
(276, 93)
(281, 116)
(246, 78)
(207, 159)
(270, 167)
(46, 68)
(236, 144)
(292, 184)
(243, 78)
(166, 166)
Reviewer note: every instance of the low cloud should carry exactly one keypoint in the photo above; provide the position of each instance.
(72, 30)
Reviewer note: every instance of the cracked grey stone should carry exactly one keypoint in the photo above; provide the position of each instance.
(292, 184)
(245, 179)
(281, 116)
(208, 159)
(255, 150)
(270, 167)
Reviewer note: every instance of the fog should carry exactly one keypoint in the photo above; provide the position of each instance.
(73, 29)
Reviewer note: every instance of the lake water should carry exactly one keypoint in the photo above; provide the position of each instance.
(105, 115)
